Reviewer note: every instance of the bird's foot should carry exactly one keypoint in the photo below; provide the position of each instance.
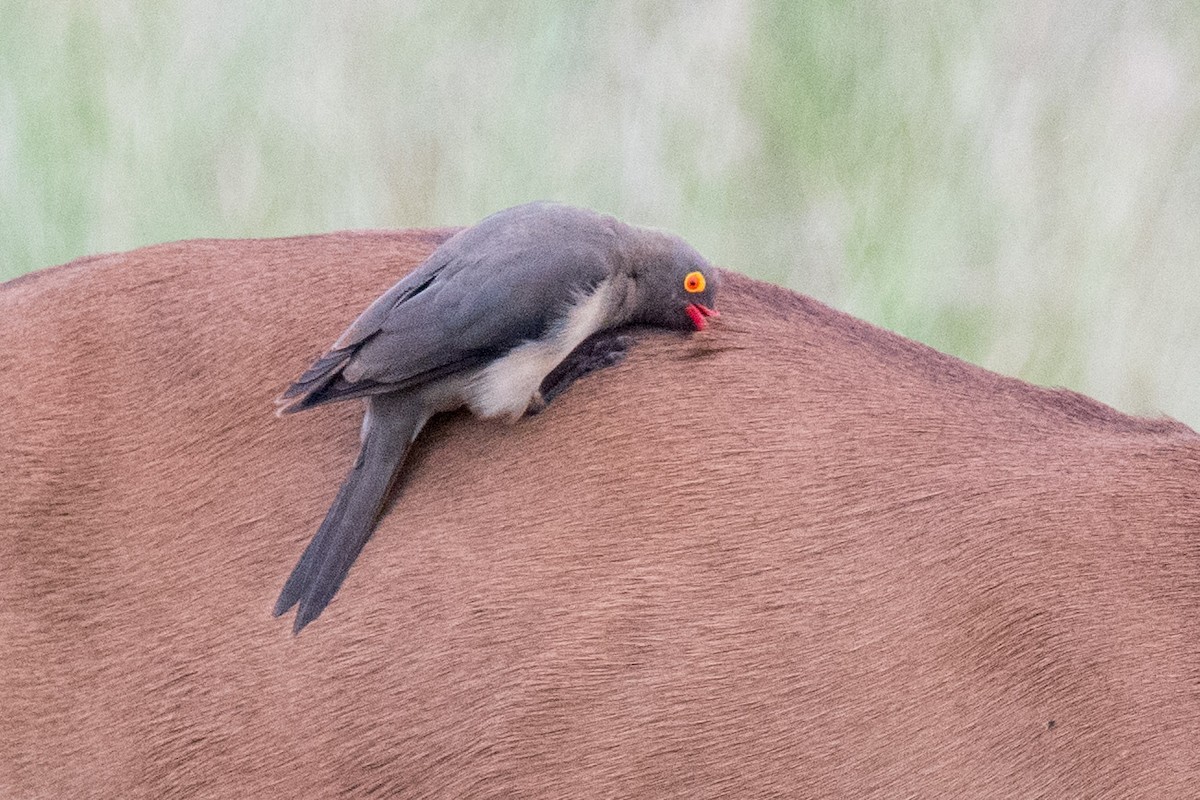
(600, 350)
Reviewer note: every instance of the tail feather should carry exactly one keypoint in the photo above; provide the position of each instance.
(393, 424)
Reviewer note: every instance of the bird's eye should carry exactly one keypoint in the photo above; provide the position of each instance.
(694, 282)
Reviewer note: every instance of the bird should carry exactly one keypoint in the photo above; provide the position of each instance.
(487, 321)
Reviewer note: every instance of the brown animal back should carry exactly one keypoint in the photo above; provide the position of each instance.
(792, 555)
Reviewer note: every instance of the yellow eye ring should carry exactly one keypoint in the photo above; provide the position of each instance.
(694, 282)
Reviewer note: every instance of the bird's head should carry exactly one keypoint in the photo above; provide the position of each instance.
(677, 286)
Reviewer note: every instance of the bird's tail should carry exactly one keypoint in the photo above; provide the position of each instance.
(392, 423)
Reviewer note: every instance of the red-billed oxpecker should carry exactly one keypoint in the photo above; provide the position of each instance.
(493, 320)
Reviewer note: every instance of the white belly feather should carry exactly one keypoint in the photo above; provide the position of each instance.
(509, 384)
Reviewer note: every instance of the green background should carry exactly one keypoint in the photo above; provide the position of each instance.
(1016, 183)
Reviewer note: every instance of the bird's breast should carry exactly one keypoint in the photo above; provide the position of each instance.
(507, 386)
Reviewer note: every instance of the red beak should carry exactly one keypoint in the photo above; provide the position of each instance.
(698, 313)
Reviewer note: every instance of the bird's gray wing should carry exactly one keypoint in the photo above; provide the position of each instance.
(451, 315)
(311, 388)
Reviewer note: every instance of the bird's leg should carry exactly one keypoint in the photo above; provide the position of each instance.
(600, 350)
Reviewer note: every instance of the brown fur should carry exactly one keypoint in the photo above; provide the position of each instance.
(792, 555)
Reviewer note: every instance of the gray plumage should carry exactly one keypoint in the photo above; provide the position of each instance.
(481, 323)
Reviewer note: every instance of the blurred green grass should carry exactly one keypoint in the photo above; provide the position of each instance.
(1016, 184)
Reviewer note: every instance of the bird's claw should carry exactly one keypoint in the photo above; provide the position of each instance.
(598, 351)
